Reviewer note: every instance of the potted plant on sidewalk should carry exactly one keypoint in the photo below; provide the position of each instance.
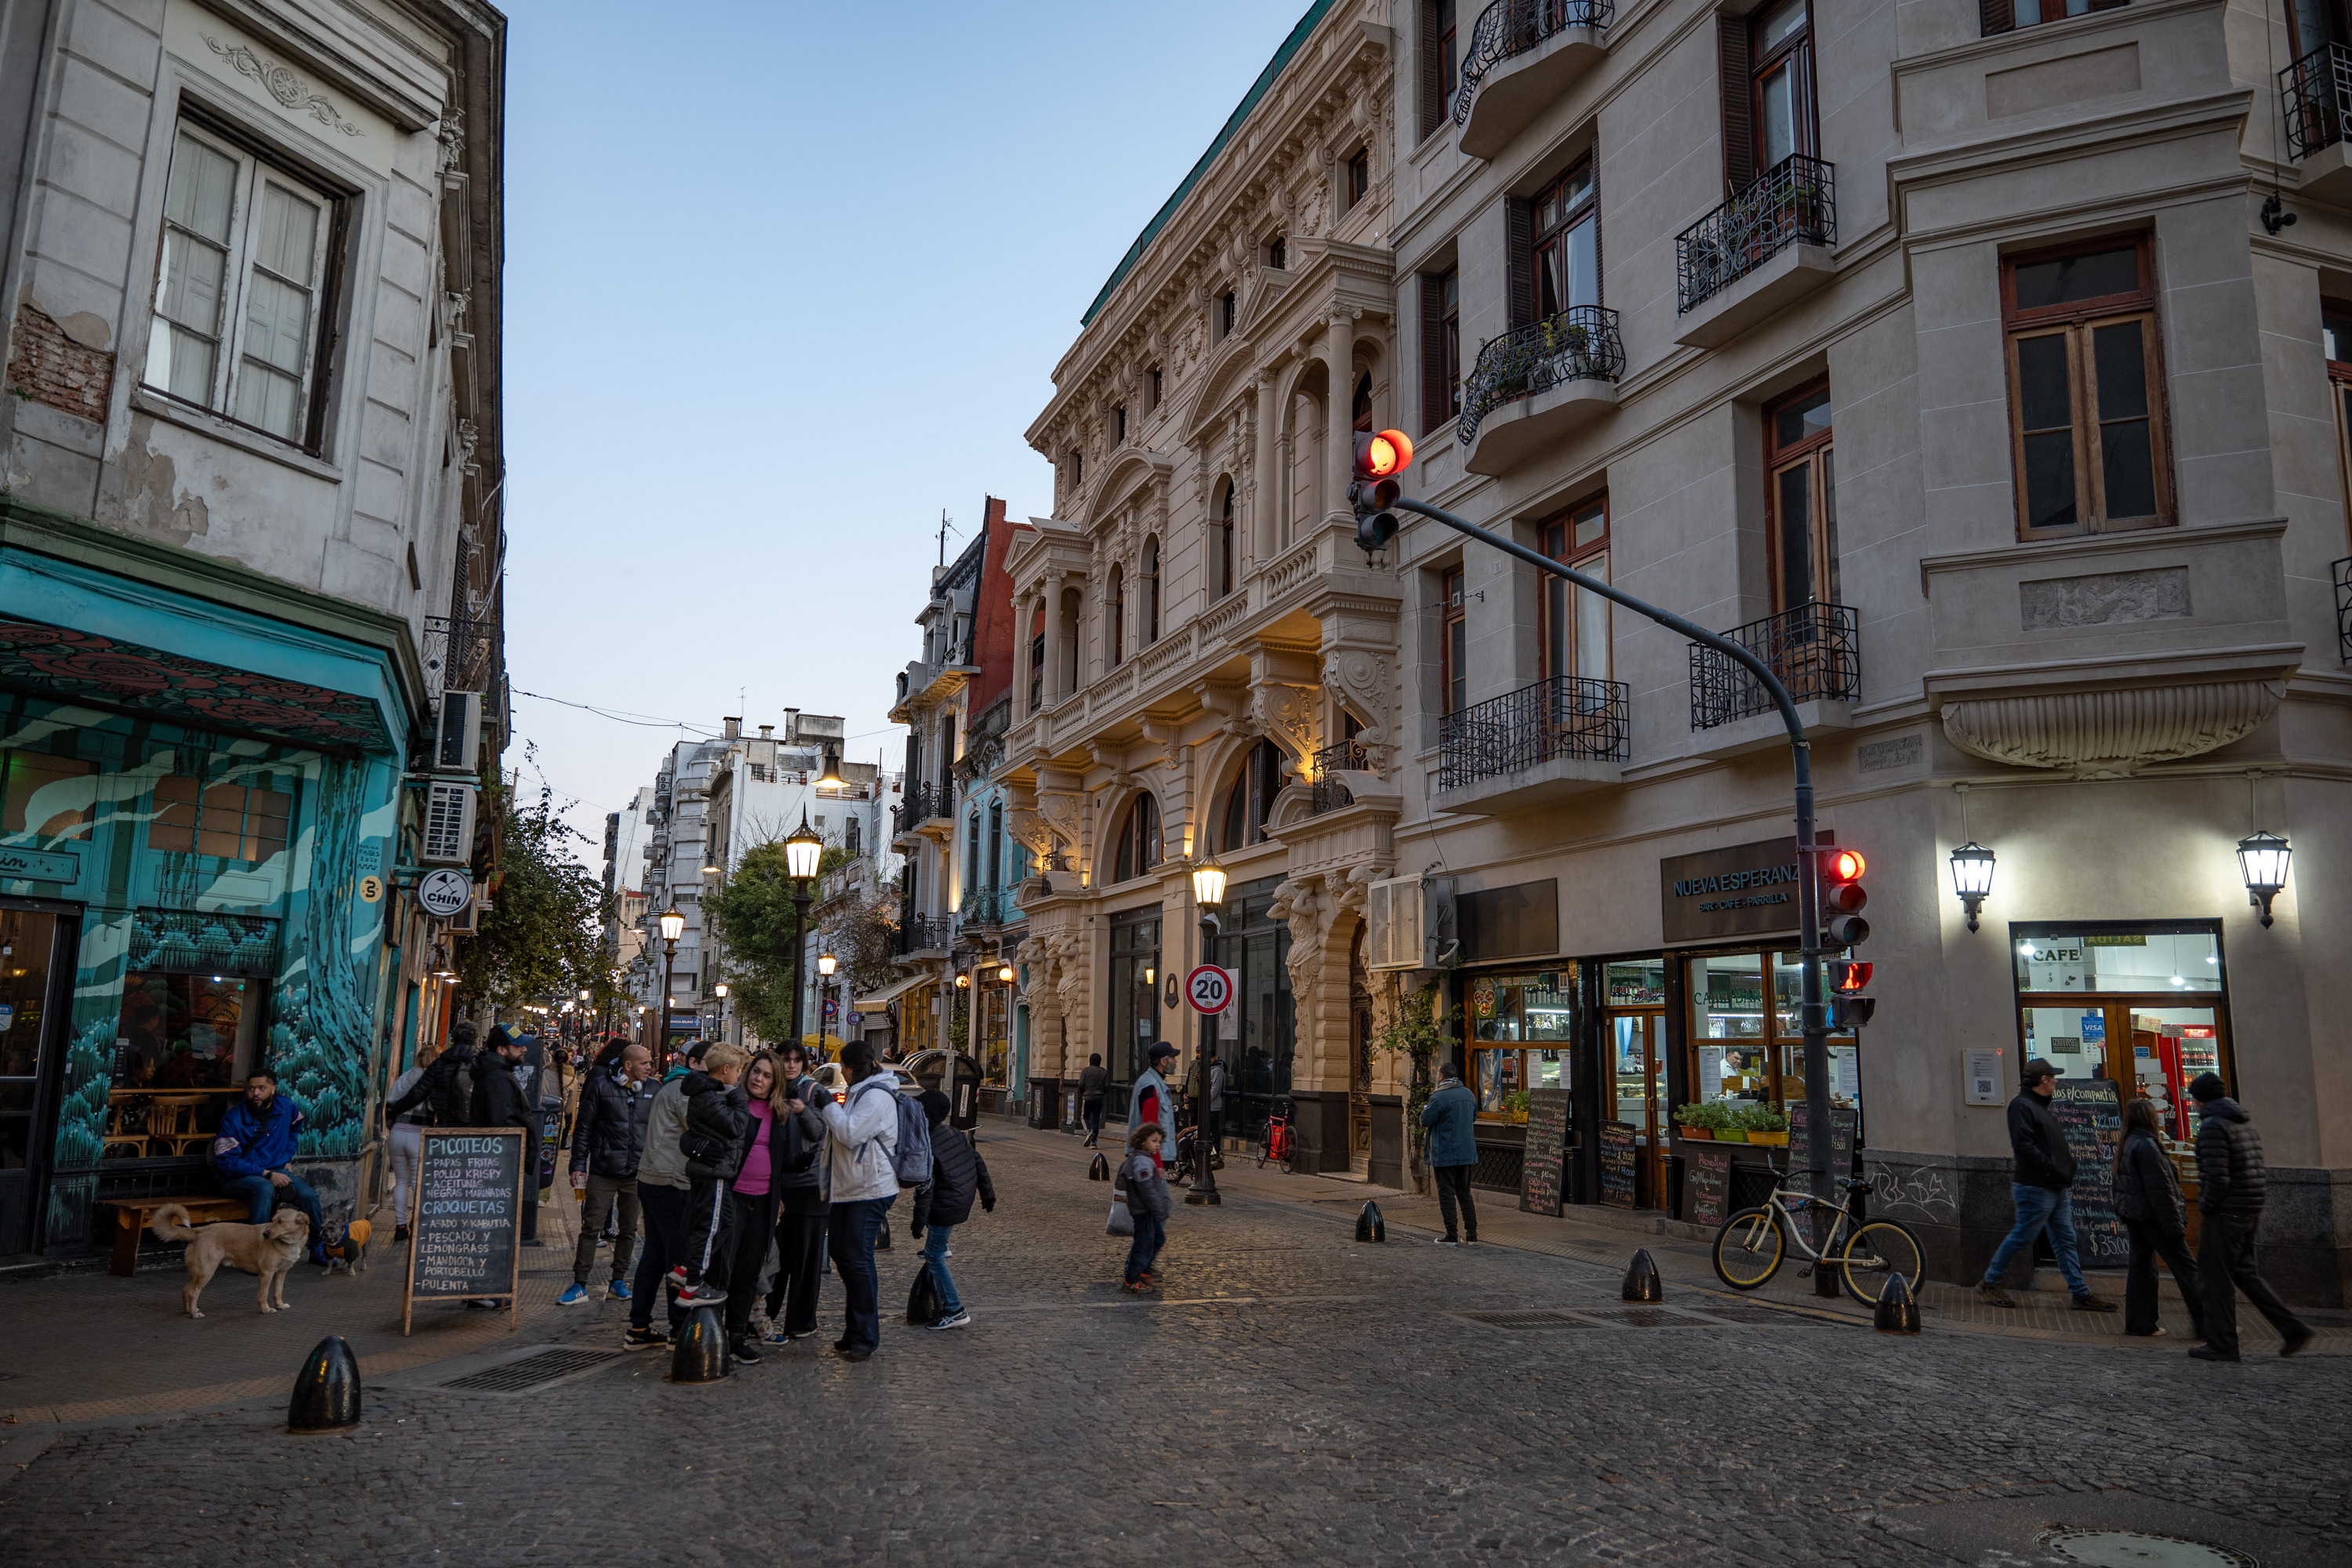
(1698, 1120)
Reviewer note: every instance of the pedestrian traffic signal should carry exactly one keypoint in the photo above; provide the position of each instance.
(1841, 899)
(1849, 978)
(1381, 456)
(1848, 1013)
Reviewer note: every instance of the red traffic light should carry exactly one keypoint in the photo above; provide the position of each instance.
(1383, 456)
(1843, 898)
(1846, 865)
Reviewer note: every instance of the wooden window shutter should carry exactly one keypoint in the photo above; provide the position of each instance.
(1436, 396)
(1739, 113)
(1519, 216)
(1998, 15)
(1433, 82)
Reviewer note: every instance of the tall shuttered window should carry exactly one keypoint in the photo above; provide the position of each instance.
(1767, 79)
(1441, 64)
(2086, 391)
(1440, 347)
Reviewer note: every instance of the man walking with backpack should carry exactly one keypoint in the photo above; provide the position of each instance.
(2231, 1185)
(871, 1151)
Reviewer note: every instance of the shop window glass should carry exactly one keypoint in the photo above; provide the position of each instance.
(2108, 961)
(1258, 1051)
(1134, 998)
(1641, 982)
(183, 1046)
(227, 821)
(1508, 1011)
(49, 797)
(2145, 1008)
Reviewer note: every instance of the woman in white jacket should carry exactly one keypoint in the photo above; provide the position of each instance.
(861, 1182)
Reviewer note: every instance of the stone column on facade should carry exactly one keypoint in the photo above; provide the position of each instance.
(1266, 512)
(1339, 444)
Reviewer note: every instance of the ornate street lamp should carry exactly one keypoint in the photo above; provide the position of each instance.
(673, 926)
(825, 964)
(802, 852)
(1207, 891)
(2262, 861)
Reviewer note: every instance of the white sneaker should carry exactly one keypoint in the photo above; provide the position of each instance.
(1448, 1241)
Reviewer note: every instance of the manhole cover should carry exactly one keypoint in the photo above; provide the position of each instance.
(1527, 1321)
(2137, 1549)
(531, 1373)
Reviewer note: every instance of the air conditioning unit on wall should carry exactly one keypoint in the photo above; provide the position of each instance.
(1410, 923)
(457, 747)
(448, 824)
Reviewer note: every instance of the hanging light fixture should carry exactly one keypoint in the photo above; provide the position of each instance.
(829, 776)
(1971, 865)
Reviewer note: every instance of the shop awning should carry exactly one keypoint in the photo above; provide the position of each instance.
(889, 994)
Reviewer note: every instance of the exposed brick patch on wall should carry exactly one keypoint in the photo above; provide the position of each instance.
(54, 369)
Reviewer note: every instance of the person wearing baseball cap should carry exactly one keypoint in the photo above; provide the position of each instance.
(1153, 1100)
(2042, 1186)
(2230, 1190)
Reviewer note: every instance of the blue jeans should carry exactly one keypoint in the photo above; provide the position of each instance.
(261, 1194)
(1150, 1234)
(2037, 1207)
(850, 1229)
(935, 1253)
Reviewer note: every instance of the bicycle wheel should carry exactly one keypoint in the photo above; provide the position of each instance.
(1265, 1146)
(1289, 1151)
(1877, 1249)
(1748, 1248)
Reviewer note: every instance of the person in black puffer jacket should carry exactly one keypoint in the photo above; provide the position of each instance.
(718, 1136)
(608, 1138)
(2042, 1189)
(499, 1098)
(446, 1089)
(944, 1201)
(2230, 1189)
(2147, 1200)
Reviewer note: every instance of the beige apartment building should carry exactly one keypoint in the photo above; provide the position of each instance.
(1947, 357)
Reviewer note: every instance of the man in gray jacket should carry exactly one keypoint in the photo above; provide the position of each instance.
(661, 1198)
(2231, 1185)
(1451, 1118)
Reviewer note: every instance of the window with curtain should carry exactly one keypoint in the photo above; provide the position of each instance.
(1453, 641)
(2086, 391)
(1576, 620)
(1566, 236)
(1800, 499)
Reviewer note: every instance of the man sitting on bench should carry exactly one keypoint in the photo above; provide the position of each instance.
(257, 1142)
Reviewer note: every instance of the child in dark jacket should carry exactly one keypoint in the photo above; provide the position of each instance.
(717, 1134)
(943, 1203)
(1148, 1205)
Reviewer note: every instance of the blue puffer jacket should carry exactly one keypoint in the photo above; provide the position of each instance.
(1451, 1115)
(255, 1145)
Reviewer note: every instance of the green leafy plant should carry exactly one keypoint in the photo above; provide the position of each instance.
(1707, 1115)
(542, 935)
(1759, 1118)
(1413, 1034)
(1517, 1104)
(756, 918)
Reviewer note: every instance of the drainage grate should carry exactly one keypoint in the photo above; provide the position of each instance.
(2138, 1549)
(531, 1373)
(1761, 1317)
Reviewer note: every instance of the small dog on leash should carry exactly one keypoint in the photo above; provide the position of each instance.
(269, 1251)
(346, 1246)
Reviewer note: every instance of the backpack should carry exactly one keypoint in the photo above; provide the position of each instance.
(912, 1158)
(454, 1105)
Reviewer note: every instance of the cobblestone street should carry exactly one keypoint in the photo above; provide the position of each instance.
(1290, 1396)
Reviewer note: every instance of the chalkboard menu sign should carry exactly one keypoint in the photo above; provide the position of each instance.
(1706, 1185)
(1618, 1153)
(2090, 1112)
(464, 1227)
(1842, 1131)
(1547, 1155)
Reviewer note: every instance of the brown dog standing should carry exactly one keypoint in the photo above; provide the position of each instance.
(269, 1251)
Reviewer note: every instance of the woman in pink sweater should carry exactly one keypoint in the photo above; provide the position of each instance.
(754, 1197)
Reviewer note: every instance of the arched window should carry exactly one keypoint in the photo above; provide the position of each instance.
(1251, 800)
(1118, 616)
(1362, 411)
(1151, 630)
(1139, 840)
(1225, 543)
(1037, 659)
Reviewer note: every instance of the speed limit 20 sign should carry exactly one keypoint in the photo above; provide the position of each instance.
(1208, 989)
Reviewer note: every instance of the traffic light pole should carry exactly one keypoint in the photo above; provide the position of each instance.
(1818, 1125)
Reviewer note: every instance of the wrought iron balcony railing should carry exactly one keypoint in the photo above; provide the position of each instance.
(460, 653)
(1565, 718)
(923, 802)
(988, 907)
(2344, 608)
(1578, 344)
(1793, 202)
(1510, 28)
(926, 933)
(1328, 794)
(1815, 649)
(2316, 98)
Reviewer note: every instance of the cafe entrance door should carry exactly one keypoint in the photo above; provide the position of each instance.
(1637, 1059)
(33, 1017)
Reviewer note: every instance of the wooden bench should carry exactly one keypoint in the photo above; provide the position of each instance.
(132, 1215)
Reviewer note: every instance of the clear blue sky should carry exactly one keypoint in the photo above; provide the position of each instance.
(782, 282)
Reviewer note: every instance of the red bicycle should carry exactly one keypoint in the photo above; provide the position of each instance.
(1279, 1141)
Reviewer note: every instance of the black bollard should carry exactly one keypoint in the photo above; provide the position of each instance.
(701, 1355)
(1099, 1171)
(1898, 1310)
(1642, 1281)
(1370, 1227)
(326, 1391)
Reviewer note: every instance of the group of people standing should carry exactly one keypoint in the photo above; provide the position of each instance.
(749, 1170)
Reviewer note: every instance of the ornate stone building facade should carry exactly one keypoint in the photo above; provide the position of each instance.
(1200, 641)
